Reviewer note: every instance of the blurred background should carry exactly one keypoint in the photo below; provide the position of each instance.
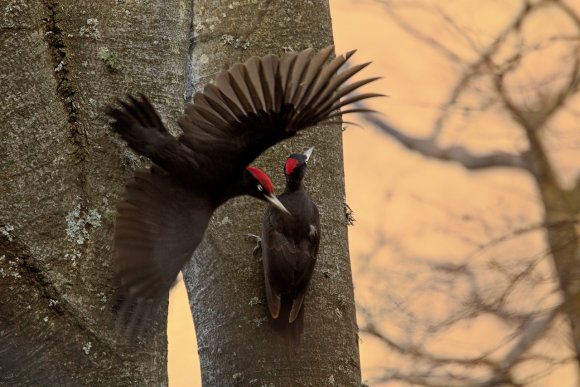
(454, 274)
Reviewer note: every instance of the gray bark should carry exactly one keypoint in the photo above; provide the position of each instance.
(224, 281)
(61, 173)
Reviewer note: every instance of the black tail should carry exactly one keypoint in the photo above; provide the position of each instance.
(290, 332)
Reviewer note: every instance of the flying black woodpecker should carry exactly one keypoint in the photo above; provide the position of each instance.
(166, 208)
(289, 249)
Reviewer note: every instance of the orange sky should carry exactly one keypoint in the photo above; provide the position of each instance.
(400, 198)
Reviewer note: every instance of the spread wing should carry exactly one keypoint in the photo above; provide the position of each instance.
(254, 105)
(137, 122)
(251, 107)
(159, 225)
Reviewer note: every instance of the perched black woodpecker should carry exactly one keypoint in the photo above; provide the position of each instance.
(167, 207)
(289, 249)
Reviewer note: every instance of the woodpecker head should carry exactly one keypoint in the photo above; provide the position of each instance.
(259, 185)
(295, 166)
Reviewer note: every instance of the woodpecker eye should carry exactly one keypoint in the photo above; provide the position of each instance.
(260, 188)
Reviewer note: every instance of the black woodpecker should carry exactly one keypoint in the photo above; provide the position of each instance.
(289, 249)
(167, 207)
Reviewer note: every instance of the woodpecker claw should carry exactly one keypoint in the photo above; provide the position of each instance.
(253, 237)
(257, 251)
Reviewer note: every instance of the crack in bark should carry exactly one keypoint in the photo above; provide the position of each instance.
(17, 255)
(66, 88)
(189, 89)
(26, 269)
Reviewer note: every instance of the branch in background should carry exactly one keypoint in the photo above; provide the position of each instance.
(429, 147)
(535, 118)
(473, 69)
(569, 12)
(448, 379)
(532, 120)
(414, 351)
(420, 36)
(439, 370)
(532, 330)
(528, 323)
(526, 229)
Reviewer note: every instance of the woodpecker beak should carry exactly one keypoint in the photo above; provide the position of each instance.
(308, 153)
(276, 203)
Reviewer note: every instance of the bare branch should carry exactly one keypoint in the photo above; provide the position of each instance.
(428, 147)
(532, 333)
(475, 68)
(517, 232)
(569, 12)
(532, 122)
(449, 380)
(422, 37)
(414, 351)
(509, 285)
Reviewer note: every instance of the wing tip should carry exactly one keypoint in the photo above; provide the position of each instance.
(274, 310)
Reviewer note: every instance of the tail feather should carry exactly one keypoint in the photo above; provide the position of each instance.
(291, 332)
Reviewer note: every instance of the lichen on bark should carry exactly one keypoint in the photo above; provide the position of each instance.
(62, 172)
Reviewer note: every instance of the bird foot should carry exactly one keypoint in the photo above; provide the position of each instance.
(257, 251)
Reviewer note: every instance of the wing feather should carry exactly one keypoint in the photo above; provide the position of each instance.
(328, 94)
(221, 103)
(238, 80)
(230, 97)
(271, 82)
(315, 65)
(355, 98)
(251, 107)
(286, 68)
(326, 75)
(288, 264)
(357, 110)
(296, 307)
(208, 112)
(254, 82)
(159, 225)
(295, 81)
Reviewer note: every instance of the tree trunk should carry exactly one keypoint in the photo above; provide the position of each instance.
(61, 173)
(224, 280)
(561, 209)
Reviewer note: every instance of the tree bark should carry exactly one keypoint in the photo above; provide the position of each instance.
(224, 280)
(561, 209)
(61, 173)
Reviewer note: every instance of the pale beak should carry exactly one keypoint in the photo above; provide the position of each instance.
(276, 203)
(308, 152)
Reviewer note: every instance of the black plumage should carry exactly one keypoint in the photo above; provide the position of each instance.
(289, 250)
(166, 209)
